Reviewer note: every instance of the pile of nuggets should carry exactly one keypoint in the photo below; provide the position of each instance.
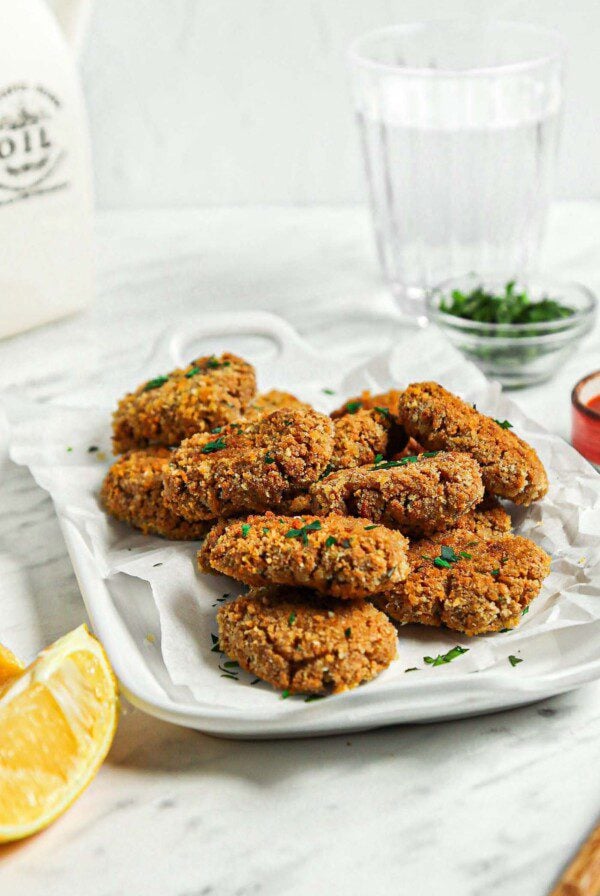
(341, 526)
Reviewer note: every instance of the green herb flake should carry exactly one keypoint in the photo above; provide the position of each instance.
(443, 658)
(448, 553)
(525, 611)
(265, 530)
(255, 681)
(245, 529)
(192, 372)
(378, 458)
(211, 447)
(412, 669)
(514, 660)
(430, 453)
(465, 555)
(503, 423)
(292, 618)
(216, 429)
(213, 363)
(328, 469)
(269, 459)
(369, 528)
(285, 695)
(384, 411)
(329, 391)
(311, 697)
(303, 531)
(156, 383)
(441, 563)
(330, 541)
(346, 542)
(347, 632)
(92, 449)
(69, 449)
(353, 406)
(390, 464)
(495, 572)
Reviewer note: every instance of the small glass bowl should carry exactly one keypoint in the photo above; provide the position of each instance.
(516, 355)
(585, 421)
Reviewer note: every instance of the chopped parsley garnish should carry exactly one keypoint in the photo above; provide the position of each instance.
(526, 610)
(245, 529)
(441, 563)
(330, 541)
(216, 429)
(303, 531)
(345, 542)
(505, 424)
(329, 391)
(269, 459)
(384, 411)
(443, 658)
(265, 530)
(292, 618)
(510, 307)
(495, 572)
(412, 669)
(514, 660)
(69, 449)
(390, 464)
(447, 557)
(353, 406)
(192, 372)
(328, 469)
(448, 554)
(92, 449)
(368, 528)
(430, 453)
(347, 632)
(378, 458)
(156, 383)
(285, 695)
(211, 447)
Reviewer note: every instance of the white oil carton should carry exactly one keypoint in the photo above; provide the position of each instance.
(46, 256)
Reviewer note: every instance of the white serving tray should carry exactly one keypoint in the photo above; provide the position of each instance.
(122, 610)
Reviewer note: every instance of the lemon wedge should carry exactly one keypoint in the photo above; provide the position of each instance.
(9, 665)
(57, 722)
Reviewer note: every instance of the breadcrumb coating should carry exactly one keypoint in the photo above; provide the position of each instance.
(389, 401)
(488, 519)
(335, 555)
(207, 393)
(359, 438)
(267, 402)
(305, 644)
(132, 493)
(418, 496)
(440, 420)
(485, 589)
(249, 466)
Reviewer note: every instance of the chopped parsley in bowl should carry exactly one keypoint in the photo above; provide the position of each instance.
(517, 333)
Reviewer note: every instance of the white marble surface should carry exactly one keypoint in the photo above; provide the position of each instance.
(483, 807)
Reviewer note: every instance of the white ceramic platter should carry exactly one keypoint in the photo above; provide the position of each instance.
(560, 647)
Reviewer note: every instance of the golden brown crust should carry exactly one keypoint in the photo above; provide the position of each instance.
(485, 590)
(132, 493)
(249, 466)
(389, 401)
(306, 644)
(420, 497)
(274, 400)
(440, 420)
(207, 393)
(359, 438)
(335, 555)
(488, 519)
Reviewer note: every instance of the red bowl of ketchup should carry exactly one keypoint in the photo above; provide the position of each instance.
(585, 411)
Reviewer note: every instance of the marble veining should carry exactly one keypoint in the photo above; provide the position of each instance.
(480, 807)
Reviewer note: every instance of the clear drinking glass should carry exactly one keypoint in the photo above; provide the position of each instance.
(459, 125)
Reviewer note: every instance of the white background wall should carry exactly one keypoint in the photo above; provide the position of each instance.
(208, 102)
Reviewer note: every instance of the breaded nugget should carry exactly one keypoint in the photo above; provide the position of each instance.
(250, 465)
(438, 419)
(335, 555)
(483, 589)
(132, 493)
(359, 438)
(488, 519)
(386, 401)
(207, 393)
(267, 402)
(305, 644)
(416, 495)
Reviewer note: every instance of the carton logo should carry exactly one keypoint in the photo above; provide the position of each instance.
(32, 158)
